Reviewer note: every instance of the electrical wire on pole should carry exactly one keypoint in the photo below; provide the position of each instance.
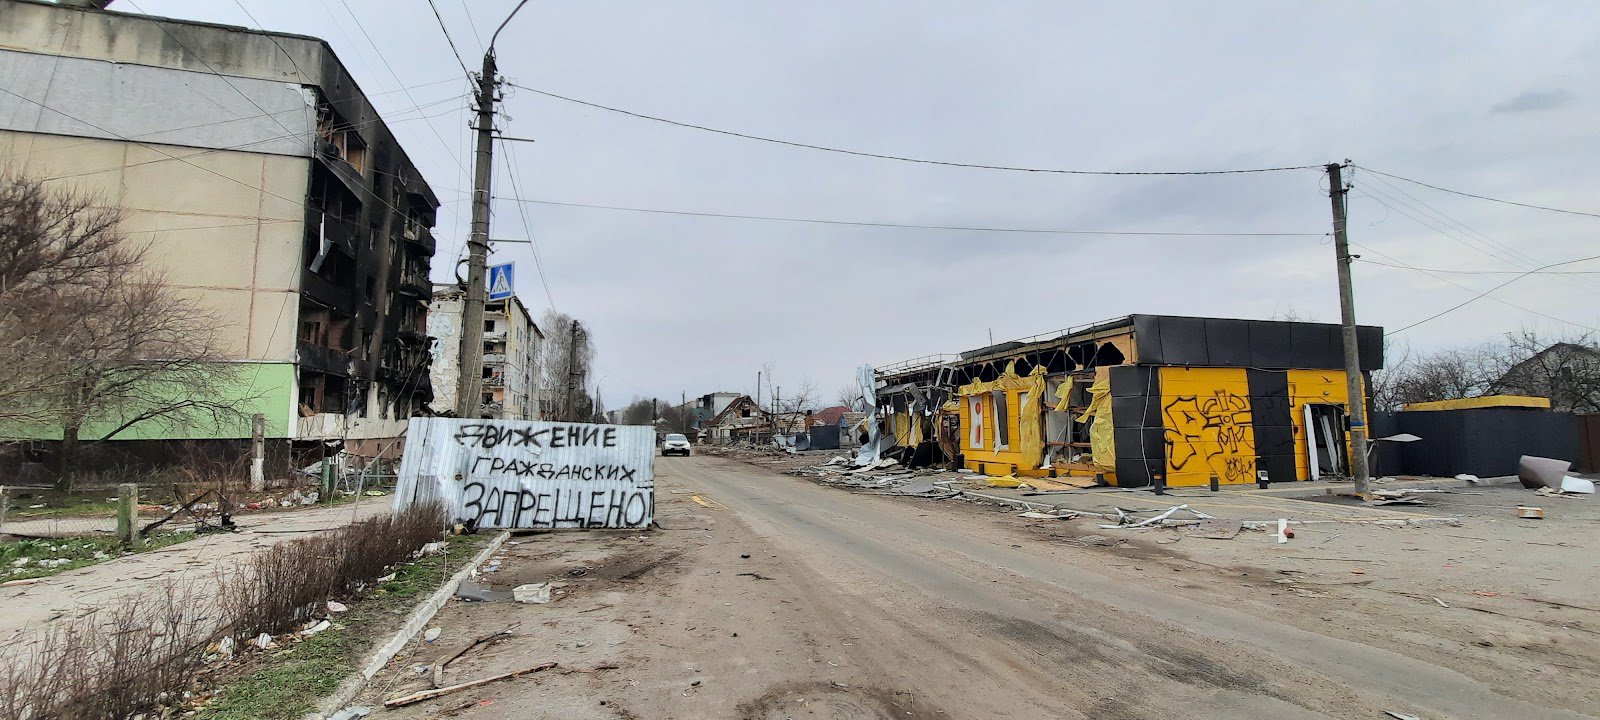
(470, 384)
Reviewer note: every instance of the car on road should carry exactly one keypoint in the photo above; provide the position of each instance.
(675, 444)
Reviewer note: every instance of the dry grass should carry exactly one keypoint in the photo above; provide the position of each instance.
(141, 654)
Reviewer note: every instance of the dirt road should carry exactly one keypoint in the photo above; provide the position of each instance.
(777, 598)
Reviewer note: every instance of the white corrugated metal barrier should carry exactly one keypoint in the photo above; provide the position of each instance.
(531, 474)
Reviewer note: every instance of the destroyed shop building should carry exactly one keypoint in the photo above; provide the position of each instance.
(1139, 400)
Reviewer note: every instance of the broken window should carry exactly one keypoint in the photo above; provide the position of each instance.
(1002, 425)
(341, 136)
(975, 405)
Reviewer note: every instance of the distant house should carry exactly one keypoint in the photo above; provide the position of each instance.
(829, 416)
(1567, 373)
(739, 419)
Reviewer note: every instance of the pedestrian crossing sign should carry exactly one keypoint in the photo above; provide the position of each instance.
(500, 284)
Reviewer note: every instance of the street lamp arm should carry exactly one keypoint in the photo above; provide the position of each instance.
(504, 23)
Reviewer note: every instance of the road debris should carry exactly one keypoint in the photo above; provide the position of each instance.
(431, 634)
(439, 692)
(1216, 529)
(439, 665)
(1526, 512)
(536, 593)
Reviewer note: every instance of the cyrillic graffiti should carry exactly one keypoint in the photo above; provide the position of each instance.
(492, 507)
(528, 474)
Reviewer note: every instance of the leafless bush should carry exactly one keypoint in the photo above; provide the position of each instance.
(284, 585)
(141, 653)
(113, 662)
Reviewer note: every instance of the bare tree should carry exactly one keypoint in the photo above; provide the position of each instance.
(567, 357)
(851, 397)
(642, 411)
(1564, 369)
(92, 340)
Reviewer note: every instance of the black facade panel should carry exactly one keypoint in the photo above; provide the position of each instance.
(1183, 341)
(1134, 381)
(1315, 346)
(1133, 472)
(1369, 347)
(1144, 443)
(1130, 412)
(1216, 342)
(824, 437)
(1147, 339)
(1228, 342)
(1274, 440)
(1485, 441)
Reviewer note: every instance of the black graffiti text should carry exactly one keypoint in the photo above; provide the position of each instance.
(489, 435)
(492, 507)
(553, 471)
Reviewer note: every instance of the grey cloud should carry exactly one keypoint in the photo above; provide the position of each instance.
(1533, 101)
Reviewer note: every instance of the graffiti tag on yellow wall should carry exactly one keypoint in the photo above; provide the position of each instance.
(1211, 433)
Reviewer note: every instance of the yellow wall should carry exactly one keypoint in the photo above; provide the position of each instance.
(1025, 448)
(1208, 421)
(1205, 413)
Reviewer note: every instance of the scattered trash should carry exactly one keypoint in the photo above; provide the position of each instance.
(433, 548)
(1441, 602)
(431, 634)
(1357, 571)
(375, 493)
(1401, 715)
(225, 646)
(1283, 533)
(385, 578)
(474, 592)
(430, 694)
(536, 593)
(1217, 529)
(263, 641)
(335, 606)
(1537, 472)
(1032, 515)
(757, 576)
(319, 627)
(1469, 478)
(1530, 513)
(351, 713)
(744, 556)
(1003, 481)
(1570, 484)
(1123, 518)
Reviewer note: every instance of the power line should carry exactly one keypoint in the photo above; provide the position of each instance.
(1472, 195)
(527, 227)
(1498, 251)
(396, 76)
(1430, 273)
(1481, 272)
(902, 158)
(1481, 295)
(449, 39)
(862, 223)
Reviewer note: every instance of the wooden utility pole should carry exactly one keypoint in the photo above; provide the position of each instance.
(1352, 357)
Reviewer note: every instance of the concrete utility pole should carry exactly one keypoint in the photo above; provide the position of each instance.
(569, 406)
(1347, 317)
(469, 398)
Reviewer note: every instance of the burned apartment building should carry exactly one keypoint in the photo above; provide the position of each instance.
(512, 342)
(1135, 401)
(267, 187)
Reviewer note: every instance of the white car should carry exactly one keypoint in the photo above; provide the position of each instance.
(675, 444)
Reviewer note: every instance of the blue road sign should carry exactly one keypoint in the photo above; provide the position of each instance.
(500, 283)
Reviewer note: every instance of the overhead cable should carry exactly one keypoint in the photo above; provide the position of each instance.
(1473, 195)
(863, 223)
(902, 158)
(1485, 293)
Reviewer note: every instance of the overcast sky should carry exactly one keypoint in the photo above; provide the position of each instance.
(1492, 98)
